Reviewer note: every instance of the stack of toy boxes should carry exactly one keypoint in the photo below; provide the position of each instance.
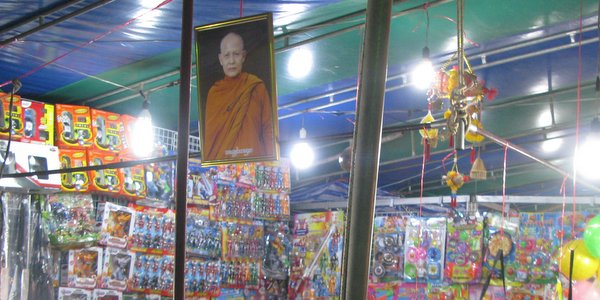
(134, 179)
(31, 122)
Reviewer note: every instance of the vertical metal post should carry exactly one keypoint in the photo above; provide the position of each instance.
(183, 133)
(367, 146)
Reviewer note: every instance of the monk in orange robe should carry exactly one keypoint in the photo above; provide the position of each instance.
(238, 114)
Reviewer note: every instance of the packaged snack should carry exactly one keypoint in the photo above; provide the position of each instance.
(116, 269)
(424, 248)
(106, 130)
(100, 294)
(134, 182)
(203, 237)
(464, 249)
(388, 249)
(38, 122)
(76, 181)
(106, 180)
(17, 117)
(117, 224)
(71, 293)
(71, 221)
(73, 126)
(84, 267)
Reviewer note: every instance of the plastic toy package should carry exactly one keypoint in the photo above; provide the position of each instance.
(312, 275)
(106, 131)
(106, 180)
(382, 291)
(240, 274)
(73, 126)
(153, 274)
(117, 225)
(278, 245)
(70, 221)
(84, 267)
(153, 230)
(72, 294)
(160, 182)
(275, 289)
(203, 237)
(424, 248)
(500, 240)
(533, 254)
(201, 183)
(126, 135)
(134, 182)
(233, 203)
(38, 122)
(76, 181)
(242, 241)
(17, 117)
(273, 176)
(464, 250)
(100, 294)
(116, 269)
(202, 278)
(388, 249)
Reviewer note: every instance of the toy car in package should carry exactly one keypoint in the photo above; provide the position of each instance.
(106, 130)
(106, 180)
(75, 181)
(16, 122)
(38, 122)
(73, 126)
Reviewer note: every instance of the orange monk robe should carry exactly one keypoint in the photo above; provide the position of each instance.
(238, 119)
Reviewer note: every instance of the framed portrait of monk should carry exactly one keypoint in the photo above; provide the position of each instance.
(237, 104)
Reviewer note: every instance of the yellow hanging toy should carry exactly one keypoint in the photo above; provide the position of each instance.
(455, 180)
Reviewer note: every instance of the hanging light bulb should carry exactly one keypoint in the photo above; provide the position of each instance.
(143, 131)
(423, 74)
(587, 160)
(302, 155)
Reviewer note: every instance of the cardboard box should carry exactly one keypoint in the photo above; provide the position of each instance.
(73, 126)
(106, 130)
(84, 267)
(134, 181)
(107, 180)
(75, 181)
(127, 123)
(24, 158)
(17, 117)
(38, 122)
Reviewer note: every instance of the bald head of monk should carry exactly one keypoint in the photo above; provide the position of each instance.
(232, 54)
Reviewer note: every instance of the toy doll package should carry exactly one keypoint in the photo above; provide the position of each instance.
(84, 267)
(117, 224)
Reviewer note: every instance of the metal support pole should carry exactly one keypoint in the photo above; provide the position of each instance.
(182, 145)
(367, 142)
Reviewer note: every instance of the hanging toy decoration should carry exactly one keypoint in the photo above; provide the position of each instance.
(473, 136)
(454, 180)
(431, 134)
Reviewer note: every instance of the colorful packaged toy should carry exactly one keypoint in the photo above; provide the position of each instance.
(134, 182)
(73, 126)
(278, 246)
(464, 249)
(117, 224)
(116, 269)
(203, 236)
(202, 278)
(106, 130)
(388, 249)
(71, 221)
(201, 183)
(500, 241)
(240, 274)
(424, 248)
(71, 293)
(160, 180)
(153, 274)
(154, 230)
(84, 267)
(106, 180)
(100, 294)
(242, 241)
(76, 181)
(17, 117)
(38, 122)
